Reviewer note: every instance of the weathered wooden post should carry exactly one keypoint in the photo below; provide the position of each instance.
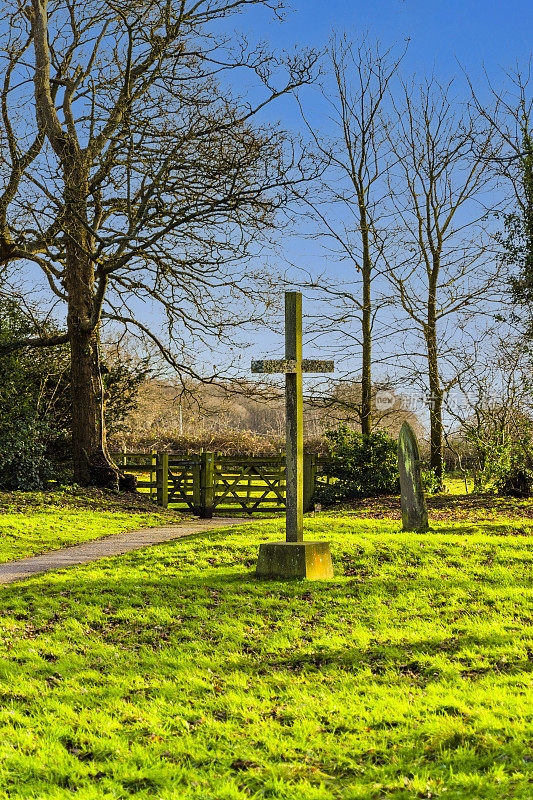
(162, 479)
(196, 469)
(294, 558)
(153, 474)
(294, 418)
(207, 485)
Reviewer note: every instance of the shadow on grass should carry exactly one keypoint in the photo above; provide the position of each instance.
(456, 506)
(138, 624)
(117, 609)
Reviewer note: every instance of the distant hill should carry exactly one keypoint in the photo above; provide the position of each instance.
(166, 415)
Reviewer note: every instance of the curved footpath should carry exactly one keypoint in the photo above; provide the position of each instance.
(108, 546)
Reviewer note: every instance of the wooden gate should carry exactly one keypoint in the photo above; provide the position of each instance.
(251, 484)
(205, 482)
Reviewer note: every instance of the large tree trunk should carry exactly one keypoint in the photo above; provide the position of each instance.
(92, 464)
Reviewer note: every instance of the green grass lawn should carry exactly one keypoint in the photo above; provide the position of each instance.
(174, 673)
(457, 485)
(35, 522)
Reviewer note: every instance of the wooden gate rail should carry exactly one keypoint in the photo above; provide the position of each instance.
(143, 464)
(252, 484)
(201, 483)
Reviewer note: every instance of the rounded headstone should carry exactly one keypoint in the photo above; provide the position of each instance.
(414, 511)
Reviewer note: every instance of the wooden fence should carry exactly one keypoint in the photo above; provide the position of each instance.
(205, 482)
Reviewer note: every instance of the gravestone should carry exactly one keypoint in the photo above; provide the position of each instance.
(414, 511)
(294, 558)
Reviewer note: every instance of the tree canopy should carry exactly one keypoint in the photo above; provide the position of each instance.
(134, 177)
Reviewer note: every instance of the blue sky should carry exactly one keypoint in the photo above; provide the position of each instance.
(442, 35)
(475, 32)
(444, 38)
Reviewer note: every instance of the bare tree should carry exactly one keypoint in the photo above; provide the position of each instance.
(511, 159)
(493, 406)
(351, 205)
(444, 267)
(508, 115)
(133, 178)
(343, 405)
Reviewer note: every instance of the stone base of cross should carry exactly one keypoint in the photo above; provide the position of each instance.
(294, 558)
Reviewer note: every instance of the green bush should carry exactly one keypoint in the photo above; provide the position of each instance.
(23, 461)
(517, 483)
(507, 466)
(363, 466)
(512, 470)
(430, 481)
(35, 397)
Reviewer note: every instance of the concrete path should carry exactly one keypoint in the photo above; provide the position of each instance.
(108, 546)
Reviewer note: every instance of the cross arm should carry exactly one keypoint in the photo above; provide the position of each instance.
(274, 365)
(312, 365)
(289, 365)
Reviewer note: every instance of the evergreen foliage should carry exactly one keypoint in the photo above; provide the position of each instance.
(518, 242)
(35, 404)
(364, 466)
(507, 466)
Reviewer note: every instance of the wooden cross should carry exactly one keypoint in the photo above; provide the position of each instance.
(293, 366)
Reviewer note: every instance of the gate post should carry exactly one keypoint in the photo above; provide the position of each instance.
(153, 474)
(207, 485)
(162, 479)
(309, 479)
(196, 490)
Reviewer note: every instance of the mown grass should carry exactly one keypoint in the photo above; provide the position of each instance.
(35, 522)
(174, 673)
(454, 485)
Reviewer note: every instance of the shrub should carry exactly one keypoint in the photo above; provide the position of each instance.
(517, 483)
(226, 441)
(512, 468)
(430, 481)
(507, 466)
(364, 466)
(35, 395)
(23, 463)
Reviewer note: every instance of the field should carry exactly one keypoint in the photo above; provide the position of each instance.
(174, 673)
